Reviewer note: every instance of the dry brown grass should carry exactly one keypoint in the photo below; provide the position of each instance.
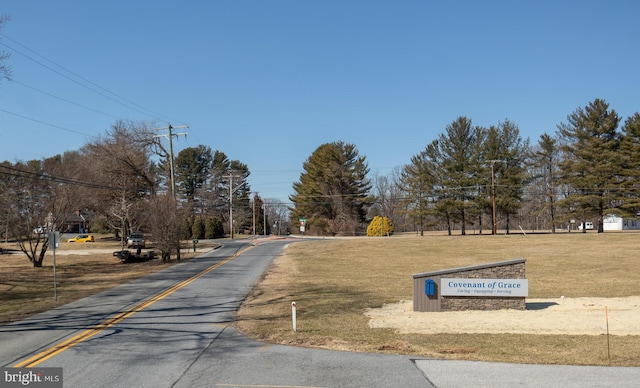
(335, 281)
(25, 290)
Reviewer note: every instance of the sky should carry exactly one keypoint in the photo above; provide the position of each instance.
(269, 81)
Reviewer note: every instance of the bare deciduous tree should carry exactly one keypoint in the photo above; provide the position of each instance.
(5, 70)
(388, 192)
(277, 216)
(167, 226)
(33, 201)
(122, 160)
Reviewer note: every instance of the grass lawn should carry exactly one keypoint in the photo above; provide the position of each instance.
(335, 281)
(25, 290)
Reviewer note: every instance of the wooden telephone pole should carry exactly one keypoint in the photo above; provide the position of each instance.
(170, 135)
(494, 230)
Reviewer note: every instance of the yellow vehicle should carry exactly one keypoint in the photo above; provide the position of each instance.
(82, 238)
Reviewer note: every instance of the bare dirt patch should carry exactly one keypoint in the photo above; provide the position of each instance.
(573, 316)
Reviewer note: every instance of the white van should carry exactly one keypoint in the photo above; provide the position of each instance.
(589, 226)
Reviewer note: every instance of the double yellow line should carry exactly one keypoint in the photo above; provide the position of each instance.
(85, 335)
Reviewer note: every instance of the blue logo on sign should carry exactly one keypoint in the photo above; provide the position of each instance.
(429, 287)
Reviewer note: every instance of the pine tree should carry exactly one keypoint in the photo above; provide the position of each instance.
(630, 150)
(460, 154)
(508, 153)
(192, 170)
(419, 180)
(333, 191)
(592, 164)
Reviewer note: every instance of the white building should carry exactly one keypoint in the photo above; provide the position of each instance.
(613, 222)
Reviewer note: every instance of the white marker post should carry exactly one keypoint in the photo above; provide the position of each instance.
(293, 315)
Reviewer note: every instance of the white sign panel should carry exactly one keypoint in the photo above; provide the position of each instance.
(54, 239)
(484, 287)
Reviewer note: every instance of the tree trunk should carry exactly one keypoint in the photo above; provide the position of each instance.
(463, 226)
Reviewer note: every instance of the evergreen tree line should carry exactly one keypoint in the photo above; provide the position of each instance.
(484, 179)
(489, 178)
(468, 178)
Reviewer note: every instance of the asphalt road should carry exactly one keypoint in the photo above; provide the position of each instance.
(172, 329)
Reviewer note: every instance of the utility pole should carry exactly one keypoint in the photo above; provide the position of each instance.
(493, 197)
(231, 176)
(169, 135)
(230, 205)
(255, 196)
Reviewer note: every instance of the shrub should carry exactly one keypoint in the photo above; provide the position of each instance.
(197, 229)
(380, 226)
(213, 228)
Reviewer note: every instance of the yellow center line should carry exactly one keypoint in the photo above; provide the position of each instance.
(85, 335)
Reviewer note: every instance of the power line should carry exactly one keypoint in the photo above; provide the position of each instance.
(118, 98)
(77, 82)
(63, 99)
(44, 123)
(56, 179)
(72, 80)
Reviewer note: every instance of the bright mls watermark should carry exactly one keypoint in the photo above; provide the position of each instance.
(31, 377)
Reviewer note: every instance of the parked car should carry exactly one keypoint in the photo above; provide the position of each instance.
(136, 240)
(82, 238)
(40, 230)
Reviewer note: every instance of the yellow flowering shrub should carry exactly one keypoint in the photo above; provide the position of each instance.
(380, 226)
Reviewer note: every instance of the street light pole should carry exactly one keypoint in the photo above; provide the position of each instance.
(231, 191)
(264, 215)
(231, 206)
